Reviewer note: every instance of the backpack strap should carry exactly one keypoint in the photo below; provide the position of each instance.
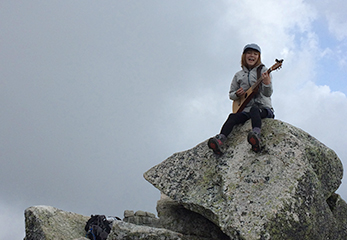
(259, 70)
(260, 67)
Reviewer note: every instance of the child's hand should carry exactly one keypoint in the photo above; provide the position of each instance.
(266, 78)
(240, 92)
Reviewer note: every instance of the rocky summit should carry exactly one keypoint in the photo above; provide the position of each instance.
(287, 191)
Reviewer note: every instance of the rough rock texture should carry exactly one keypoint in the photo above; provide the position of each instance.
(128, 231)
(284, 192)
(49, 223)
(339, 210)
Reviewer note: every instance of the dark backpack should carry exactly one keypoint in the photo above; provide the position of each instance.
(97, 227)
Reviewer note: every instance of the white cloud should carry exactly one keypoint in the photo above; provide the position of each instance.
(270, 23)
(332, 13)
(335, 13)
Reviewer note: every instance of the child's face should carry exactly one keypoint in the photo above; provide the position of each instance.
(251, 57)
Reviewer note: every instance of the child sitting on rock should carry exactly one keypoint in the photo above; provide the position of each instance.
(259, 106)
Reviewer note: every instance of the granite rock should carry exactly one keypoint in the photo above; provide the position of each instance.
(49, 223)
(285, 192)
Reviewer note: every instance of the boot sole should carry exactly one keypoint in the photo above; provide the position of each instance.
(254, 141)
(214, 146)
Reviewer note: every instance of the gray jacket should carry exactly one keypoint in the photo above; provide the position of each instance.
(246, 78)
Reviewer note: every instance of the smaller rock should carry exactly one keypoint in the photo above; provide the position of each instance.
(141, 218)
(128, 213)
(49, 223)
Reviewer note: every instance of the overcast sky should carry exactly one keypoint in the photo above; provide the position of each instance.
(94, 93)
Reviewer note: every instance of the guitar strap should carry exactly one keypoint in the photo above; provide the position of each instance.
(259, 73)
(259, 70)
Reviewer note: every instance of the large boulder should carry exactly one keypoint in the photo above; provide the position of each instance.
(285, 192)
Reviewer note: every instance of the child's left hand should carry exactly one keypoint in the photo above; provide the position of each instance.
(266, 78)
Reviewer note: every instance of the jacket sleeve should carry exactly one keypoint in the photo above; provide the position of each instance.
(233, 88)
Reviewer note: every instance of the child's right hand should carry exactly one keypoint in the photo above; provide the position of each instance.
(240, 92)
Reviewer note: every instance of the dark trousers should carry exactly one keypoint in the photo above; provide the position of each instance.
(255, 114)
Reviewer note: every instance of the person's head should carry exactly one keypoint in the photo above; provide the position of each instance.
(251, 56)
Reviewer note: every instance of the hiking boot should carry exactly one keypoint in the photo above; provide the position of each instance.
(254, 139)
(215, 143)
